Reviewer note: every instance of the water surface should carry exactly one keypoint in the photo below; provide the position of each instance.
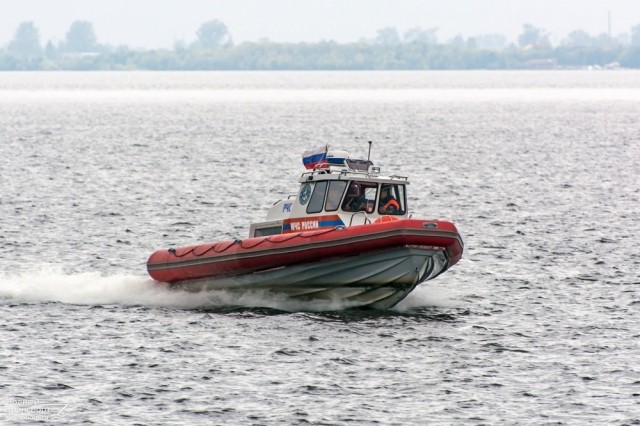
(537, 324)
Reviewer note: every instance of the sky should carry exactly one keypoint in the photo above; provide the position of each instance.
(161, 23)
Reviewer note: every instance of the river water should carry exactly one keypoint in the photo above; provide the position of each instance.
(537, 324)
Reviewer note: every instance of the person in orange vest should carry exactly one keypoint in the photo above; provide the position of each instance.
(388, 203)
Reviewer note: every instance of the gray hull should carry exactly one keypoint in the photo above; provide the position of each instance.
(376, 280)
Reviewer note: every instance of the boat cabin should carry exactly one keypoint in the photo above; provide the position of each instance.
(339, 192)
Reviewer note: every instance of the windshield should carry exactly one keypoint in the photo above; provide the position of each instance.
(361, 197)
(392, 199)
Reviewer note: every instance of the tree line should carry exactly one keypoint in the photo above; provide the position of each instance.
(416, 49)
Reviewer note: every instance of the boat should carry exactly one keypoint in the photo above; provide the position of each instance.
(346, 236)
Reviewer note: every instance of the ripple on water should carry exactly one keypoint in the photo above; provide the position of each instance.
(537, 323)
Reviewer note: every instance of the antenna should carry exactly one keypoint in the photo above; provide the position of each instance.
(369, 155)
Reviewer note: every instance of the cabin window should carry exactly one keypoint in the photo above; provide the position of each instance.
(334, 196)
(361, 197)
(263, 232)
(317, 198)
(392, 199)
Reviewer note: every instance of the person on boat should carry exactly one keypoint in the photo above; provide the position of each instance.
(360, 198)
(351, 203)
(388, 203)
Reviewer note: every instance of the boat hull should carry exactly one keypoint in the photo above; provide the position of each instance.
(375, 280)
(373, 266)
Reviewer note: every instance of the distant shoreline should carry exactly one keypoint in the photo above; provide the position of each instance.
(328, 57)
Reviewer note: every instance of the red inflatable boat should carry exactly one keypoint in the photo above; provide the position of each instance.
(346, 236)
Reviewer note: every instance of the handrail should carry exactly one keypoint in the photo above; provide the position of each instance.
(366, 217)
(354, 174)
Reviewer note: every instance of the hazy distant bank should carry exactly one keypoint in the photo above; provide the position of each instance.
(329, 56)
(417, 49)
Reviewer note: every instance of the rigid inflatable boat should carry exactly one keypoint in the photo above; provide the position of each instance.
(346, 236)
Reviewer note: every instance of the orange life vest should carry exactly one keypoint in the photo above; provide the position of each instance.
(390, 203)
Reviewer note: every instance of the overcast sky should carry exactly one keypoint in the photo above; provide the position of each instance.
(160, 23)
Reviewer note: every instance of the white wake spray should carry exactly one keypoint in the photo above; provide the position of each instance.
(49, 283)
(427, 295)
(52, 284)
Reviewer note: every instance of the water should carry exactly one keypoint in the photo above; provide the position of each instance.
(537, 324)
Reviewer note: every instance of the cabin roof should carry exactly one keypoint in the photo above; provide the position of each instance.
(332, 173)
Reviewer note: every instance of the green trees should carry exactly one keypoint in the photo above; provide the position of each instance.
(80, 38)
(26, 41)
(416, 49)
(635, 35)
(533, 37)
(419, 35)
(213, 34)
(578, 38)
(24, 51)
(492, 42)
(388, 37)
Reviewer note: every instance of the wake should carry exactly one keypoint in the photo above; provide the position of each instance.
(52, 284)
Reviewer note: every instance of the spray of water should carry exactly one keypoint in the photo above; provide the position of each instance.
(426, 296)
(52, 284)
